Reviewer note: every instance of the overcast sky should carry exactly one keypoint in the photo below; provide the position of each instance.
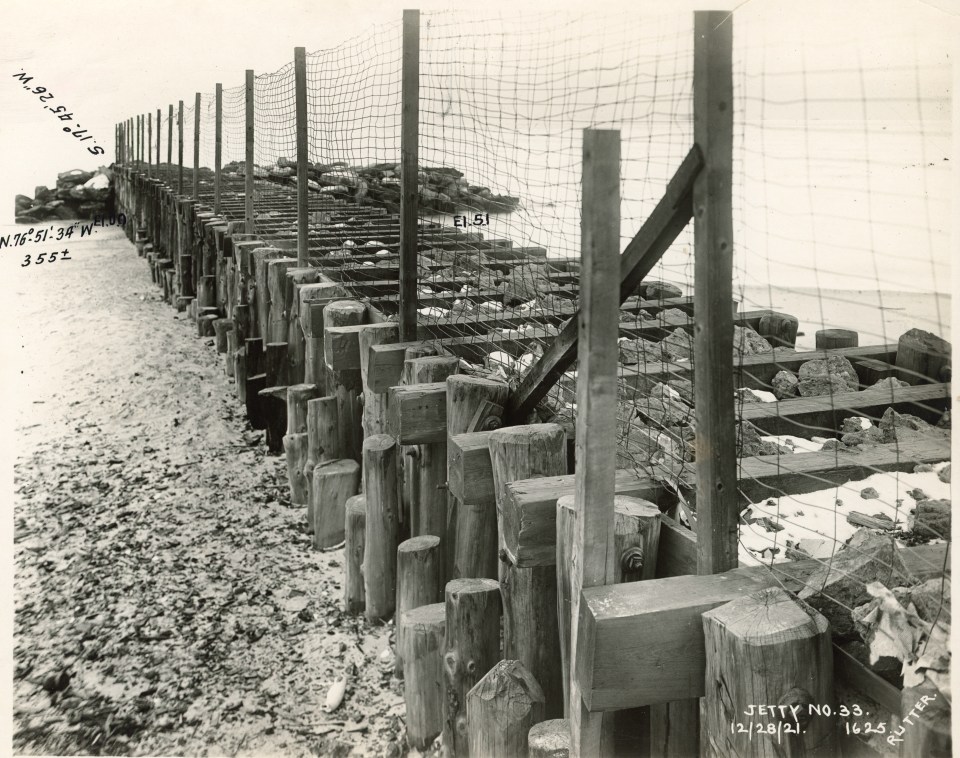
(107, 60)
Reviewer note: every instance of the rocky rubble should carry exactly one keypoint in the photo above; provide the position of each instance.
(441, 189)
(78, 194)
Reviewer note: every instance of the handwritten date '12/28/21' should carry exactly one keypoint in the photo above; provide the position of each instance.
(42, 258)
(60, 110)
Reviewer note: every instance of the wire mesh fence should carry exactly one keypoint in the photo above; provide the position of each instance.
(840, 201)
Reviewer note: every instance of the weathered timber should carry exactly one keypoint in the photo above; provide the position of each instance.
(471, 647)
(374, 403)
(923, 357)
(420, 635)
(653, 239)
(382, 528)
(295, 447)
(332, 484)
(298, 396)
(661, 618)
(740, 638)
(549, 739)
(805, 415)
(530, 594)
(472, 403)
(346, 385)
(501, 709)
(354, 599)
(827, 339)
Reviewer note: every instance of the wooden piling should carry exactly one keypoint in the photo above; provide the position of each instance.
(382, 529)
(298, 399)
(295, 447)
(501, 709)
(742, 637)
(828, 339)
(923, 357)
(471, 648)
(421, 634)
(428, 467)
(346, 385)
(418, 579)
(473, 404)
(355, 529)
(530, 633)
(418, 572)
(549, 739)
(374, 403)
(332, 484)
(180, 149)
(779, 329)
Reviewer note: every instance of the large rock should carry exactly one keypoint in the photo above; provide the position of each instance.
(827, 377)
(638, 351)
(673, 316)
(658, 290)
(837, 588)
(931, 519)
(750, 444)
(932, 598)
(785, 385)
(677, 345)
(72, 178)
(902, 426)
(747, 342)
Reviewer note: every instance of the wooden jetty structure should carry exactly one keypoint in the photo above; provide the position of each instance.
(464, 512)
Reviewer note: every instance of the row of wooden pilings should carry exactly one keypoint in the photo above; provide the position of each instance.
(413, 553)
(482, 643)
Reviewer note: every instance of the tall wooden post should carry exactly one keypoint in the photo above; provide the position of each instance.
(593, 562)
(158, 143)
(169, 140)
(139, 141)
(196, 148)
(713, 293)
(217, 147)
(180, 149)
(303, 162)
(149, 144)
(248, 166)
(409, 130)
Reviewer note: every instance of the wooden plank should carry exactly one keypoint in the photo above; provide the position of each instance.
(593, 562)
(643, 641)
(713, 288)
(652, 240)
(303, 149)
(752, 371)
(468, 460)
(417, 413)
(409, 131)
(824, 415)
(530, 505)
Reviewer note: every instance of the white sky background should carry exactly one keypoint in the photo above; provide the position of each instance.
(107, 60)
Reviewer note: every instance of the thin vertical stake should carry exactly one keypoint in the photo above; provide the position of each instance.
(593, 561)
(149, 144)
(180, 148)
(196, 148)
(713, 293)
(409, 130)
(170, 140)
(248, 172)
(158, 143)
(300, 81)
(218, 148)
